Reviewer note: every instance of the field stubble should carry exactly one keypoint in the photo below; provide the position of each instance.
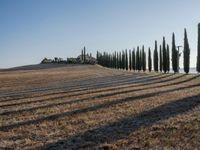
(90, 107)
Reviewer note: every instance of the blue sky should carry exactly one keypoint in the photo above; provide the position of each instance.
(33, 29)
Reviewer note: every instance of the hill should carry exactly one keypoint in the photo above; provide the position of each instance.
(91, 107)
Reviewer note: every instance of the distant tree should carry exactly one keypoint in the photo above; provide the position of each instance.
(112, 56)
(174, 55)
(120, 60)
(156, 57)
(84, 53)
(168, 59)
(164, 56)
(186, 53)
(117, 61)
(149, 61)
(138, 58)
(140, 62)
(126, 60)
(133, 60)
(161, 59)
(97, 56)
(123, 60)
(130, 60)
(143, 58)
(198, 50)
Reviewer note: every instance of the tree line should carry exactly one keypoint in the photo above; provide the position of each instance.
(136, 59)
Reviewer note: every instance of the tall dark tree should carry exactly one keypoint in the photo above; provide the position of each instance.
(155, 57)
(174, 55)
(138, 59)
(198, 50)
(133, 60)
(123, 60)
(186, 53)
(161, 59)
(117, 61)
(144, 67)
(114, 60)
(164, 56)
(120, 60)
(130, 60)
(84, 54)
(126, 57)
(168, 59)
(143, 59)
(149, 61)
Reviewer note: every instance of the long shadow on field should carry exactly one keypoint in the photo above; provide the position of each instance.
(129, 85)
(92, 108)
(92, 97)
(121, 129)
(86, 80)
(68, 89)
(71, 84)
(116, 82)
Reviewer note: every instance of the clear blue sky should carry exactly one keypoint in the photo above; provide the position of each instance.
(33, 29)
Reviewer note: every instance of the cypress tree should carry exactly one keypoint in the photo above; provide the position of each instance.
(174, 55)
(84, 55)
(143, 58)
(138, 59)
(161, 60)
(116, 60)
(111, 60)
(120, 60)
(168, 59)
(149, 61)
(156, 57)
(198, 50)
(164, 56)
(186, 53)
(130, 60)
(133, 60)
(126, 60)
(144, 61)
(98, 58)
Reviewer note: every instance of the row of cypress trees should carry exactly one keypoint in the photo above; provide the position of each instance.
(136, 59)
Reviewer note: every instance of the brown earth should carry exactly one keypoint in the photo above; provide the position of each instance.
(91, 107)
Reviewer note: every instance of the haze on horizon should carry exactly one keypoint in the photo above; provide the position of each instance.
(32, 30)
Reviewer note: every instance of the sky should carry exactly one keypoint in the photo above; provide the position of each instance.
(33, 29)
